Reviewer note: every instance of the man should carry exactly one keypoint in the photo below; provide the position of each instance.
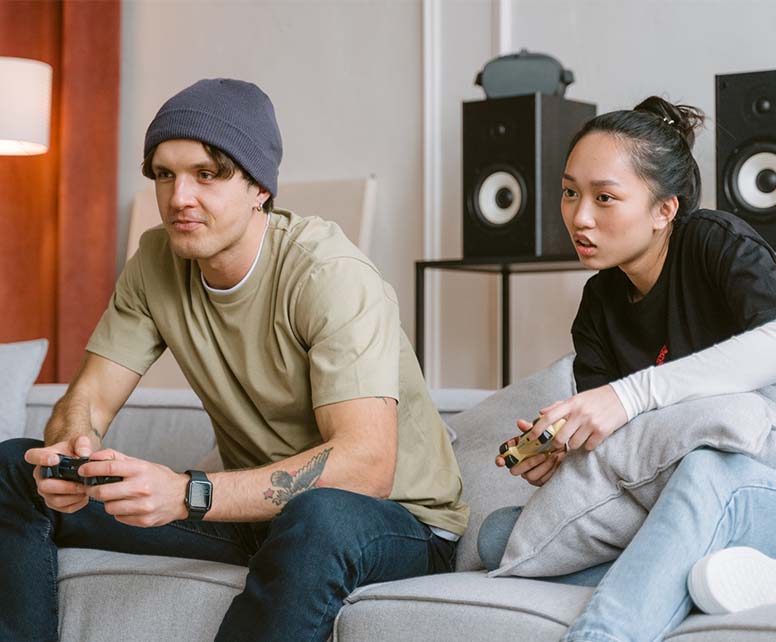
(291, 339)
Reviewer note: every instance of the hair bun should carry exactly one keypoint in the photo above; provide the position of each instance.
(685, 118)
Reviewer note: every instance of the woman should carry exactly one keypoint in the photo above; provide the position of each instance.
(695, 289)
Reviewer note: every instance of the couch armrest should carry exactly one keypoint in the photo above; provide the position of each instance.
(454, 400)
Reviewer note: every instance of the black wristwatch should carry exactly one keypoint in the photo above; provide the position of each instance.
(199, 494)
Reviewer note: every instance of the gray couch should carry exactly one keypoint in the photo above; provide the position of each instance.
(113, 596)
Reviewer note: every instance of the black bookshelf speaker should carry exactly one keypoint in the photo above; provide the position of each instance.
(746, 149)
(514, 153)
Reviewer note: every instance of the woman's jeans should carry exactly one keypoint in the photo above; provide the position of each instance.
(713, 500)
(301, 565)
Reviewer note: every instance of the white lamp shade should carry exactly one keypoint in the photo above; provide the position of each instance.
(25, 106)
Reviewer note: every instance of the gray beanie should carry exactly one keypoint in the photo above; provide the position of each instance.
(233, 115)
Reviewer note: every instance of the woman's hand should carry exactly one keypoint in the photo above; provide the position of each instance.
(591, 416)
(537, 469)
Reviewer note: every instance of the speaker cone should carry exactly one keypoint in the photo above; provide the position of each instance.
(751, 181)
(500, 197)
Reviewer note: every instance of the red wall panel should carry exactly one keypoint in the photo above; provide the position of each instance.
(89, 157)
(28, 194)
(58, 210)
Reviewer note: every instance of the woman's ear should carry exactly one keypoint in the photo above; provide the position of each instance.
(665, 213)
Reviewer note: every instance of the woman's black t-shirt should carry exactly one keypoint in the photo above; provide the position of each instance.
(719, 279)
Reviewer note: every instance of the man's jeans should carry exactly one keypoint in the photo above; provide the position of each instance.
(713, 500)
(301, 565)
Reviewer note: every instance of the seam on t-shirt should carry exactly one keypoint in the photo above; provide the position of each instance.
(319, 263)
(115, 354)
(308, 252)
(710, 216)
(763, 317)
(729, 253)
(141, 272)
(298, 289)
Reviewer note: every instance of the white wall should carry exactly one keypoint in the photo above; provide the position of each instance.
(468, 305)
(624, 50)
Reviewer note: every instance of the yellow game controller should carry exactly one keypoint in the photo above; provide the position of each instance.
(525, 447)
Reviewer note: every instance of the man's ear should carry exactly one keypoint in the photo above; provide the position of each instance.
(665, 213)
(262, 196)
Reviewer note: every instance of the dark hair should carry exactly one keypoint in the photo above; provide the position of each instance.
(226, 166)
(661, 136)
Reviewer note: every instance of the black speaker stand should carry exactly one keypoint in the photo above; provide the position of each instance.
(505, 267)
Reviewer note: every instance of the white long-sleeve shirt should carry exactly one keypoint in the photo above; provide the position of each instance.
(744, 362)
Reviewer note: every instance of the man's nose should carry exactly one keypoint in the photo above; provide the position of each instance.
(183, 193)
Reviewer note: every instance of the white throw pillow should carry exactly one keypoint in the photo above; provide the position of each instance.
(19, 367)
(592, 507)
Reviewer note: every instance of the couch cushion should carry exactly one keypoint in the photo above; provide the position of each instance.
(137, 598)
(481, 430)
(472, 607)
(460, 606)
(754, 625)
(19, 367)
(596, 501)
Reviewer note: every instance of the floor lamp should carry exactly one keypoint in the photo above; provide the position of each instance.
(25, 106)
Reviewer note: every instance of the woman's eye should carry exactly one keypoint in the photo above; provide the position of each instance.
(206, 176)
(568, 192)
(605, 198)
(162, 174)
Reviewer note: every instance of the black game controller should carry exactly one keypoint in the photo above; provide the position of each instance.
(67, 468)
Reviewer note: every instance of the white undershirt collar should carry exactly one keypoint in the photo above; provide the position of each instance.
(236, 287)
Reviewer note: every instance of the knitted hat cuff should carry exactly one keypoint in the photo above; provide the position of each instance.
(232, 115)
(207, 128)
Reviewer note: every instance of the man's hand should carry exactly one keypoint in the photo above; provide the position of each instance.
(59, 494)
(591, 416)
(537, 469)
(149, 495)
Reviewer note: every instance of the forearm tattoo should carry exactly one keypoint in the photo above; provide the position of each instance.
(287, 485)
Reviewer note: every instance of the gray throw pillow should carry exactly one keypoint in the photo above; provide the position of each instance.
(19, 367)
(480, 431)
(592, 507)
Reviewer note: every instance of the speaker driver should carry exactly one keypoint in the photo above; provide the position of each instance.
(500, 197)
(752, 179)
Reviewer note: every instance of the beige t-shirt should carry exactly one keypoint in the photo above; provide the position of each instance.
(313, 324)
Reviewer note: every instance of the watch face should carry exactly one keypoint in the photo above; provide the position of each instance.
(199, 494)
